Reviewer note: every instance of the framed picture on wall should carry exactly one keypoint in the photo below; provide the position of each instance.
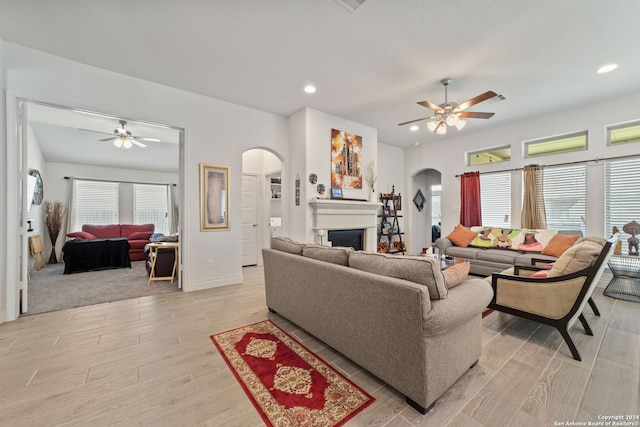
(214, 197)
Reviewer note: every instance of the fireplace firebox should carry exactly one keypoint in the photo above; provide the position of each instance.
(351, 238)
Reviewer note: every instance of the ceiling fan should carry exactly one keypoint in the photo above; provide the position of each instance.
(123, 138)
(451, 113)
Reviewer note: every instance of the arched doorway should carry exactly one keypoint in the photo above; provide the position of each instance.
(425, 223)
(264, 200)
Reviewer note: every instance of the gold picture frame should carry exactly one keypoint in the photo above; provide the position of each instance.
(214, 197)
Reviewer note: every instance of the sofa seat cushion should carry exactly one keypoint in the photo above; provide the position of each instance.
(422, 270)
(466, 253)
(138, 244)
(504, 256)
(103, 231)
(525, 259)
(334, 255)
(285, 244)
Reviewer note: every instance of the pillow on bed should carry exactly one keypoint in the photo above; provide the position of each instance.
(81, 235)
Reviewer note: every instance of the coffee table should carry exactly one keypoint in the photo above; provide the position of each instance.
(626, 278)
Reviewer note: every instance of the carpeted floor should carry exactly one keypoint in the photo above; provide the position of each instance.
(50, 290)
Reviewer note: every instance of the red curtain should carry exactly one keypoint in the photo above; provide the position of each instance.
(470, 208)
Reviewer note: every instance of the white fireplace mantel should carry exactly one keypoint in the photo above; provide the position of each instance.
(336, 214)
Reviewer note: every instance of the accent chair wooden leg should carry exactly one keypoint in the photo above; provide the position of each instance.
(594, 307)
(569, 341)
(585, 325)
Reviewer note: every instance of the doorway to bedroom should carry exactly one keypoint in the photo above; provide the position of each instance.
(102, 176)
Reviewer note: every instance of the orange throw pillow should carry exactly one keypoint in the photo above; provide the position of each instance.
(558, 244)
(455, 274)
(461, 236)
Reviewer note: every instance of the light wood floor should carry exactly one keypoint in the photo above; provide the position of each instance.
(149, 361)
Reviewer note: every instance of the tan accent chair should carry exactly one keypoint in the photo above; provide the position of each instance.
(559, 299)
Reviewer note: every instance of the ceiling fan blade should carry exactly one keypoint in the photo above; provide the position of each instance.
(108, 139)
(416, 120)
(95, 131)
(148, 138)
(476, 115)
(473, 101)
(434, 107)
(138, 143)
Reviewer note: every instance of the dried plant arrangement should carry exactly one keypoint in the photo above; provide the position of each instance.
(53, 214)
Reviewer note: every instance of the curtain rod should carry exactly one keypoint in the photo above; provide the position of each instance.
(577, 162)
(123, 182)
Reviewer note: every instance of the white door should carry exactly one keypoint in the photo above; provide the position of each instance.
(24, 170)
(249, 219)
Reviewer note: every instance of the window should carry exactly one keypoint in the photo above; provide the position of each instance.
(623, 133)
(95, 202)
(436, 213)
(555, 145)
(490, 155)
(495, 198)
(621, 201)
(150, 206)
(565, 195)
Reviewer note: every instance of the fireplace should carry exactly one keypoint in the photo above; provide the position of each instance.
(351, 238)
(345, 215)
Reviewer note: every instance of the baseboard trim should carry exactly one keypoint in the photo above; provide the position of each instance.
(208, 284)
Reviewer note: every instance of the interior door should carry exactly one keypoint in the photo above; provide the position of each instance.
(249, 219)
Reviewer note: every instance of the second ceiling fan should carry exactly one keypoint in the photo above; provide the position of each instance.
(123, 138)
(451, 113)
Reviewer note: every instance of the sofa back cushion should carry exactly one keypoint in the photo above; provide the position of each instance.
(127, 230)
(103, 231)
(579, 256)
(336, 255)
(285, 244)
(422, 270)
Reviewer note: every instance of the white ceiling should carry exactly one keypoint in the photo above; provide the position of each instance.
(370, 66)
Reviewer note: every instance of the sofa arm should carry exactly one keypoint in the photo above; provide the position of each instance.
(464, 302)
(443, 244)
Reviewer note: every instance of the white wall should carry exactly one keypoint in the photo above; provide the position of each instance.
(448, 156)
(311, 153)
(390, 172)
(215, 132)
(36, 215)
(3, 188)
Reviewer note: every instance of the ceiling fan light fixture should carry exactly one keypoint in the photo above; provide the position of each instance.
(127, 144)
(432, 126)
(452, 119)
(442, 129)
(460, 124)
(117, 143)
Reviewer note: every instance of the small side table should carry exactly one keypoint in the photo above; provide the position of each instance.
(153, 254)
(626, 278)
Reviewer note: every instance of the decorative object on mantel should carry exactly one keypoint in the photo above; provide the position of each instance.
(313, 178)
(346, 152)
(632, 228)
(53, 214)
(320, 188)
(370, 177)
(419, 200)
(297, 190)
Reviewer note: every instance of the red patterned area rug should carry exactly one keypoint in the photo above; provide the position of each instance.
(287, 383)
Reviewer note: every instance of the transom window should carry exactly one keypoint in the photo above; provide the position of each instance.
(623, 133)
(489, 155)
(556, 144)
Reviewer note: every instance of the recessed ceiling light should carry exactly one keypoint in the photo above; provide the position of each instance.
(310, 89)
(416, 143)
(607, 68)
(414, 128)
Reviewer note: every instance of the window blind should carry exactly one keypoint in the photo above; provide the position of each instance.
(150, 206)
(495, 198)
(95, 203)
(622, 204)
(565, 196)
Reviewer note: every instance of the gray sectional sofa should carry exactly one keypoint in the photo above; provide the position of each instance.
(486, 261)
(392, 315)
